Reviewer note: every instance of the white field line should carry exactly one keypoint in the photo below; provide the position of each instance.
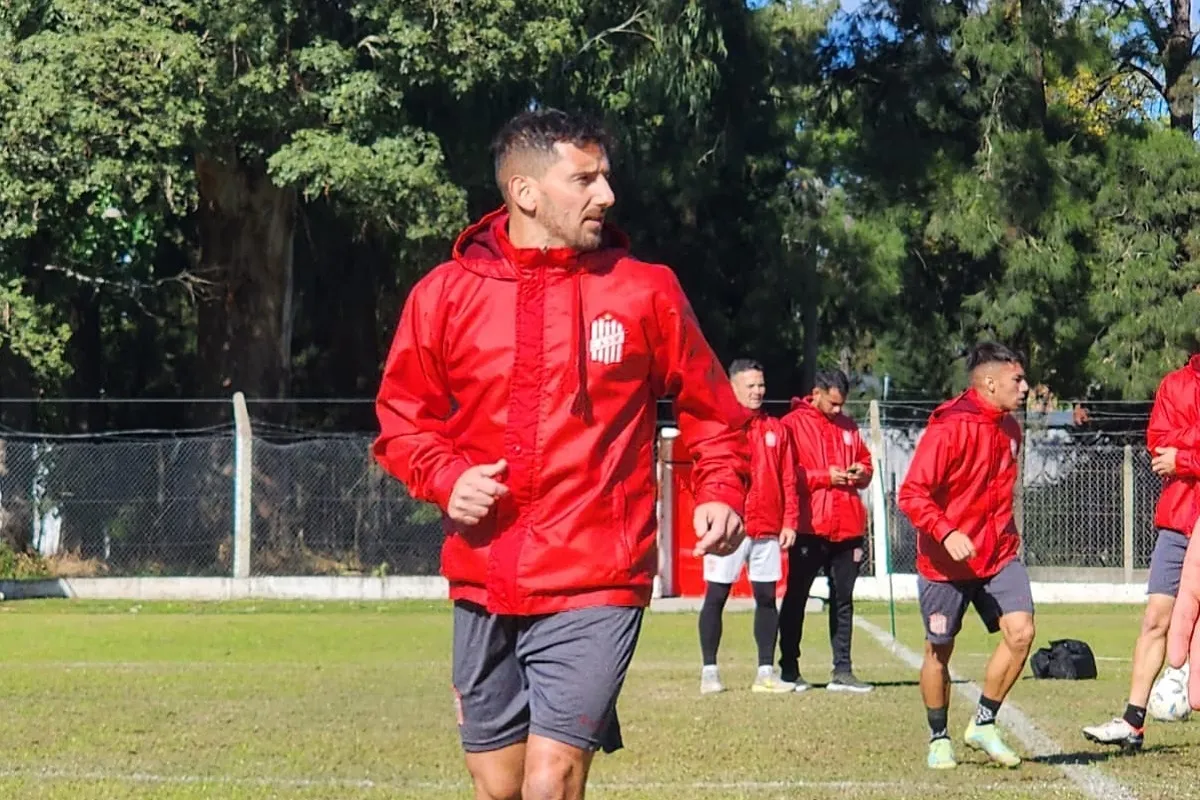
(1091, 781)
(48, 775)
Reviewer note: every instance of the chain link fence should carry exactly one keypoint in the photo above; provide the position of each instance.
(1074, 506)
(321, 506)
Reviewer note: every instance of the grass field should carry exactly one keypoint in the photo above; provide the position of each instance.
(338, 700)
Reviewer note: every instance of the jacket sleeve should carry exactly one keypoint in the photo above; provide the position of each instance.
(862, 457)
(812, 474)
(791, 482)
(711, 421)
(414, 403)
(1171, 426)
(928, 473)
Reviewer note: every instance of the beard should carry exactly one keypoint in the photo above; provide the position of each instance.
(581, 235)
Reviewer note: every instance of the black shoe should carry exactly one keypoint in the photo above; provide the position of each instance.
(846, 682)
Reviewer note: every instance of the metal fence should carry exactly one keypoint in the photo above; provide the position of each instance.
(1085, 511)
(321, 506)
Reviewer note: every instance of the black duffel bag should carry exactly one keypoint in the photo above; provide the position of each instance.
(1064, 659)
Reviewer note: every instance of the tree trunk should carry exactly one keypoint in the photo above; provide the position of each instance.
(810, 319)
(86, 350)
(246, 227)
(1177, 62)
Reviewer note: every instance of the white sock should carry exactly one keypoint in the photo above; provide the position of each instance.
(709, 670)
(766, 670)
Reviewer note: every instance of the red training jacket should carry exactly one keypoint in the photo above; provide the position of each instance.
(772, 502)
(834, 512)
(554, 361)
(961, 479)
(1175, 422)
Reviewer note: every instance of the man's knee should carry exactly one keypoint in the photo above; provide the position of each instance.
(496, 778)
(764, 593)
(555, 773)
(938, 653)
(1019, 632)
(1157, 617)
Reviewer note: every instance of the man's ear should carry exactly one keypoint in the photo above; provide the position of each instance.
(524, 193)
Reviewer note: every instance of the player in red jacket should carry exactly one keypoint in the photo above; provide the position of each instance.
(1173, 437)
(771, 518)
(520, 396)
(958, 493)
(835, 464)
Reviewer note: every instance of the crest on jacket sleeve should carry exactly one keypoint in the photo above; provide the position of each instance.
(607, 342)
(771, 439)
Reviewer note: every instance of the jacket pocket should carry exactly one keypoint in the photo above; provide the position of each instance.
(621, 527)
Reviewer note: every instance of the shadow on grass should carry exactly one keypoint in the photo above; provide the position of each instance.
(1085, 757)
(886, 684)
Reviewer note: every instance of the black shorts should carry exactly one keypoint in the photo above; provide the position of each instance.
(944, 603)
(556, 675)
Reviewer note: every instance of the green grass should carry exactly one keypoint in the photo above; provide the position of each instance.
(352, 700)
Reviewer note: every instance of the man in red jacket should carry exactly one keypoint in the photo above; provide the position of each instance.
(1173, 437)
(520, 395)
(835, 464)
(958, 493)
(771, 518)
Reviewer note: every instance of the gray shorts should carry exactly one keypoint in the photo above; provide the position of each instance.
(555, 675)
(944, 603)
(1166, 563)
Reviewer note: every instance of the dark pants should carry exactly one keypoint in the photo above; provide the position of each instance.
(809, 556)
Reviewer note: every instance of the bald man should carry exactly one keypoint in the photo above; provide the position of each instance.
(959, 495)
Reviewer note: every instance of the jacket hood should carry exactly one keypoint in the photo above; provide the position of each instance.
(804, 405)
(970, 407)
(484, 248)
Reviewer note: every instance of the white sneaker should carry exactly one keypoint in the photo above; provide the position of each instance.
(710, 680)
(1116, 732)
(768, 682)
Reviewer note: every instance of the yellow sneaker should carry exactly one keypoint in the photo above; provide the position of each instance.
(987, 739)
(941, 754)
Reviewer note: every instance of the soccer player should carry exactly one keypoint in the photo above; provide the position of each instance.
(836, 464)
(771, 516)
(959, 495)
(519, 395)
(1173, 437)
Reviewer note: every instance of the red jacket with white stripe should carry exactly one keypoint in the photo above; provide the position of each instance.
(773, 501)
(553, 361)
(836, 513)
(1175, 422)
(962, 478)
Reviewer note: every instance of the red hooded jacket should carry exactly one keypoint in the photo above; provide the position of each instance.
(834, 512)
(1175, 422)
(772, 502)
(553, 361)
(962, 478)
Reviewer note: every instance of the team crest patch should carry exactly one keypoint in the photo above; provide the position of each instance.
(847, 439)
(771, 439)
(607, 342)
(938, 624)
(1012, 445)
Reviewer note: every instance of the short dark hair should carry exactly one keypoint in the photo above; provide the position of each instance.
(827, 379)
(744, 365)
(987, 352)
(542, 128)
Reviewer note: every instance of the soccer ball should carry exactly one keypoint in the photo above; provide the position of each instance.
(1169, 697)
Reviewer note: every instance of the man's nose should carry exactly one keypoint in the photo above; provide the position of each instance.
(605, 198)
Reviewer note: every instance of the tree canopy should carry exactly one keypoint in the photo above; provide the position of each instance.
(198, 198)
